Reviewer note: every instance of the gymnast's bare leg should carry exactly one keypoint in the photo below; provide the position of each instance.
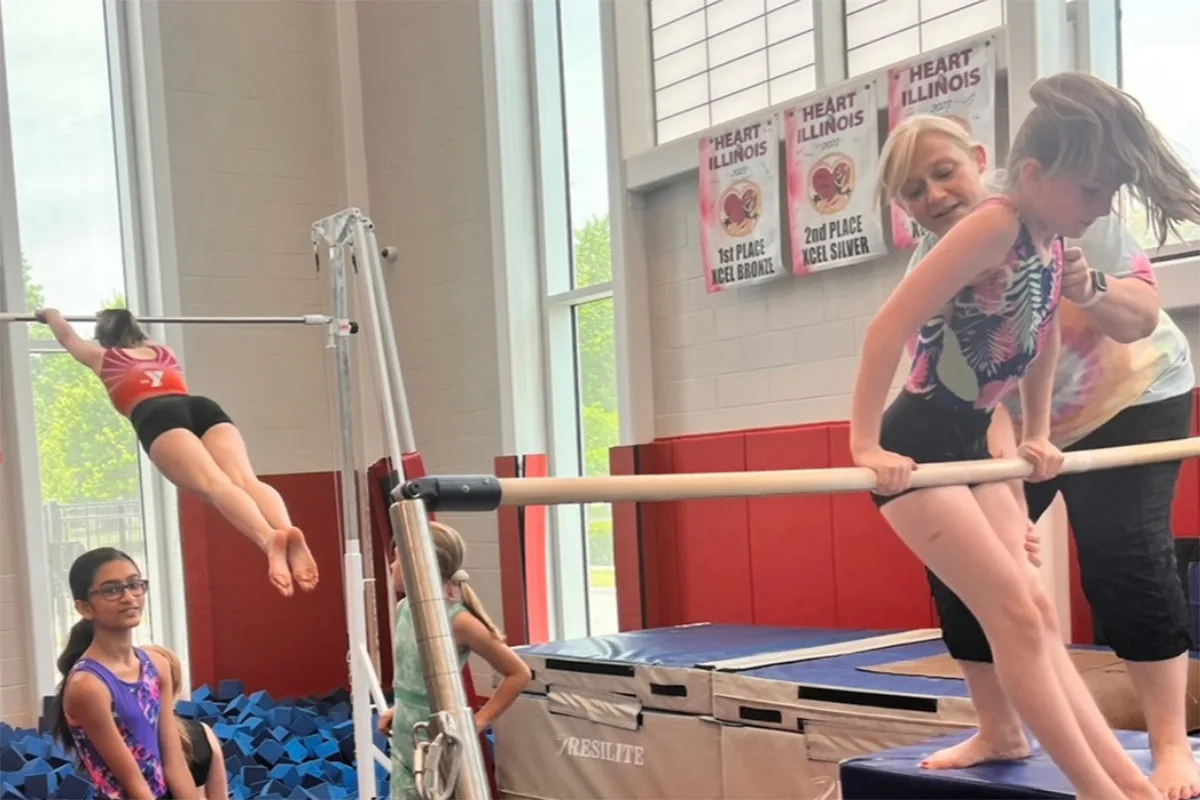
(183, 459)
(224, 442)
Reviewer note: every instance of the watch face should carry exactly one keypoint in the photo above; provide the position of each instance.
(1099, 281)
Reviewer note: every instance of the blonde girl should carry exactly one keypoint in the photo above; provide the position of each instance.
(205, 760)
(984, 302)
(473, 631)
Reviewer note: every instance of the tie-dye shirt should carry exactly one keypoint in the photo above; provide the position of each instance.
(974, 351)
(1098, 377)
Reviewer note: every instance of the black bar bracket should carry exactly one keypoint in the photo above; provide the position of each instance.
(453, 492)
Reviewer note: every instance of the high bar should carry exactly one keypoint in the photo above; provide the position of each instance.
(305, 319)
(486, 492)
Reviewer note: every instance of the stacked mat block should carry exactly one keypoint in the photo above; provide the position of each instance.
(294, 748)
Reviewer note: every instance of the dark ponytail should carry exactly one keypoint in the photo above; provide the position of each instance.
(80, 578)
(79, 640)
(117, 327)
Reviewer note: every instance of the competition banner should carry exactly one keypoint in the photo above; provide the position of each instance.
(832, 152)
(739, 205)
(958, 83)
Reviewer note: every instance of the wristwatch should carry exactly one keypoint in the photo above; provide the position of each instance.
(1099, 287)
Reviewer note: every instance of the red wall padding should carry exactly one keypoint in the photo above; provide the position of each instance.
(534, 530)
(512, 559)
(239, 626)
(1187, 499)
(660, 569)
(627, 546)
(713, 548)
(791, 538)
(868, 555)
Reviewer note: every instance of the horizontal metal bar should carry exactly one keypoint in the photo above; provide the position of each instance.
(307, 319)
(486, 492)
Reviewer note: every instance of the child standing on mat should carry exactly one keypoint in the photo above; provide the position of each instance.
(984, 301)
(201, 748)
(473, 631)
(109, 702)
(190, 438)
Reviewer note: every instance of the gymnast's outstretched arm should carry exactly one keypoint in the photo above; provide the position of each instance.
(90, 354)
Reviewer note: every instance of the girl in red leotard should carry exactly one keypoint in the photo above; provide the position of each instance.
(191, 440)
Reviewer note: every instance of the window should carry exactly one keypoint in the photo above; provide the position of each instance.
(68, 151)
(882, 32)
(716, 60)
(1157, 40)
(577, 256)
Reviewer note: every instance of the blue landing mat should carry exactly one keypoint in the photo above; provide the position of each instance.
(845, 672)
(690, 645)
(897, 774)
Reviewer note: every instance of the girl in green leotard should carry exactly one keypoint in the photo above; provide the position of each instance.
(473, 631)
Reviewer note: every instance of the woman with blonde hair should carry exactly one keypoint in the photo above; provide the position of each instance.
(473, 631)
(984, 302)
(201, 748)
(1125, 377)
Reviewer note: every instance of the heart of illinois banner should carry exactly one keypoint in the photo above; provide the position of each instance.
(958, 83)
(832, 150)
(739, 205)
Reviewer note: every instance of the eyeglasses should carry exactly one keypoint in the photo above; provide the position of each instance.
(114, 591)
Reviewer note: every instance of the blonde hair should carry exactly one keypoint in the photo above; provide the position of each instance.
(1088, 129)
(185, 734)
(451, 554)
(895, 160)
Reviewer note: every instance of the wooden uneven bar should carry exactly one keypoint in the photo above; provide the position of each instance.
(702, 486)
(306, 319)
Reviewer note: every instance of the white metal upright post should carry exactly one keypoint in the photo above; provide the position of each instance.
(330, 231)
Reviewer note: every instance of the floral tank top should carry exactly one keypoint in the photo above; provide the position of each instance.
(1098, 377)
(979, 346)
(135, 708)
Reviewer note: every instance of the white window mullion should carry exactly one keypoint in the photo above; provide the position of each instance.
(164, 548)
(21, 454)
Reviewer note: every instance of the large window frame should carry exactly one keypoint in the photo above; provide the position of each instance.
(570, 611)
(134, 58)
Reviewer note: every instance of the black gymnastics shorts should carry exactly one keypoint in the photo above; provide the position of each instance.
(913, 426)
(154, 417)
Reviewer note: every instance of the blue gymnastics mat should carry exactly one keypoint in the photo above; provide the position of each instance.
(897, 774)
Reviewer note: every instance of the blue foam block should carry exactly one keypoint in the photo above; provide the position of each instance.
(73, 787)
(236, 705)
(1194, 584)
(252, 726)
(8, 790)
(202, 694)
(262, 700)
(208, 708)
(286, 774)
(254, 776)
(343, 730)
(296, 750)
(274, 789)
(280, 716)
(224, 731)
(6, 734)
(186, 709)
(340, 712)
(310, 781)
(280, 733)
(302, 725)
(10, 760)
(37, 766)
(36, 747)
(325, 749)
(245, 742)
(229, 689)
(41, 785)
(269, 751)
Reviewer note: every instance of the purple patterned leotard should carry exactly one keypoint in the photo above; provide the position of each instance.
(136, 707)
(976, 349)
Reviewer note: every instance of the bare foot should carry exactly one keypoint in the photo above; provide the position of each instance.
(1176, 773)
(300, 559)
(978, 750)
(277, 563)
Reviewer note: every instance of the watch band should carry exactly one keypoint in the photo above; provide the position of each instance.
(1099, 289)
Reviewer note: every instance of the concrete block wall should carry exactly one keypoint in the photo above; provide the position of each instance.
(251, 127)
(424, 125)
(780, 353)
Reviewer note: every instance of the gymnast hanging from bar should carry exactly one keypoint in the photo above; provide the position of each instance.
(190, 438)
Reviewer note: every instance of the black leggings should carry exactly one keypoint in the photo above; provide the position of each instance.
(1121, 519)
